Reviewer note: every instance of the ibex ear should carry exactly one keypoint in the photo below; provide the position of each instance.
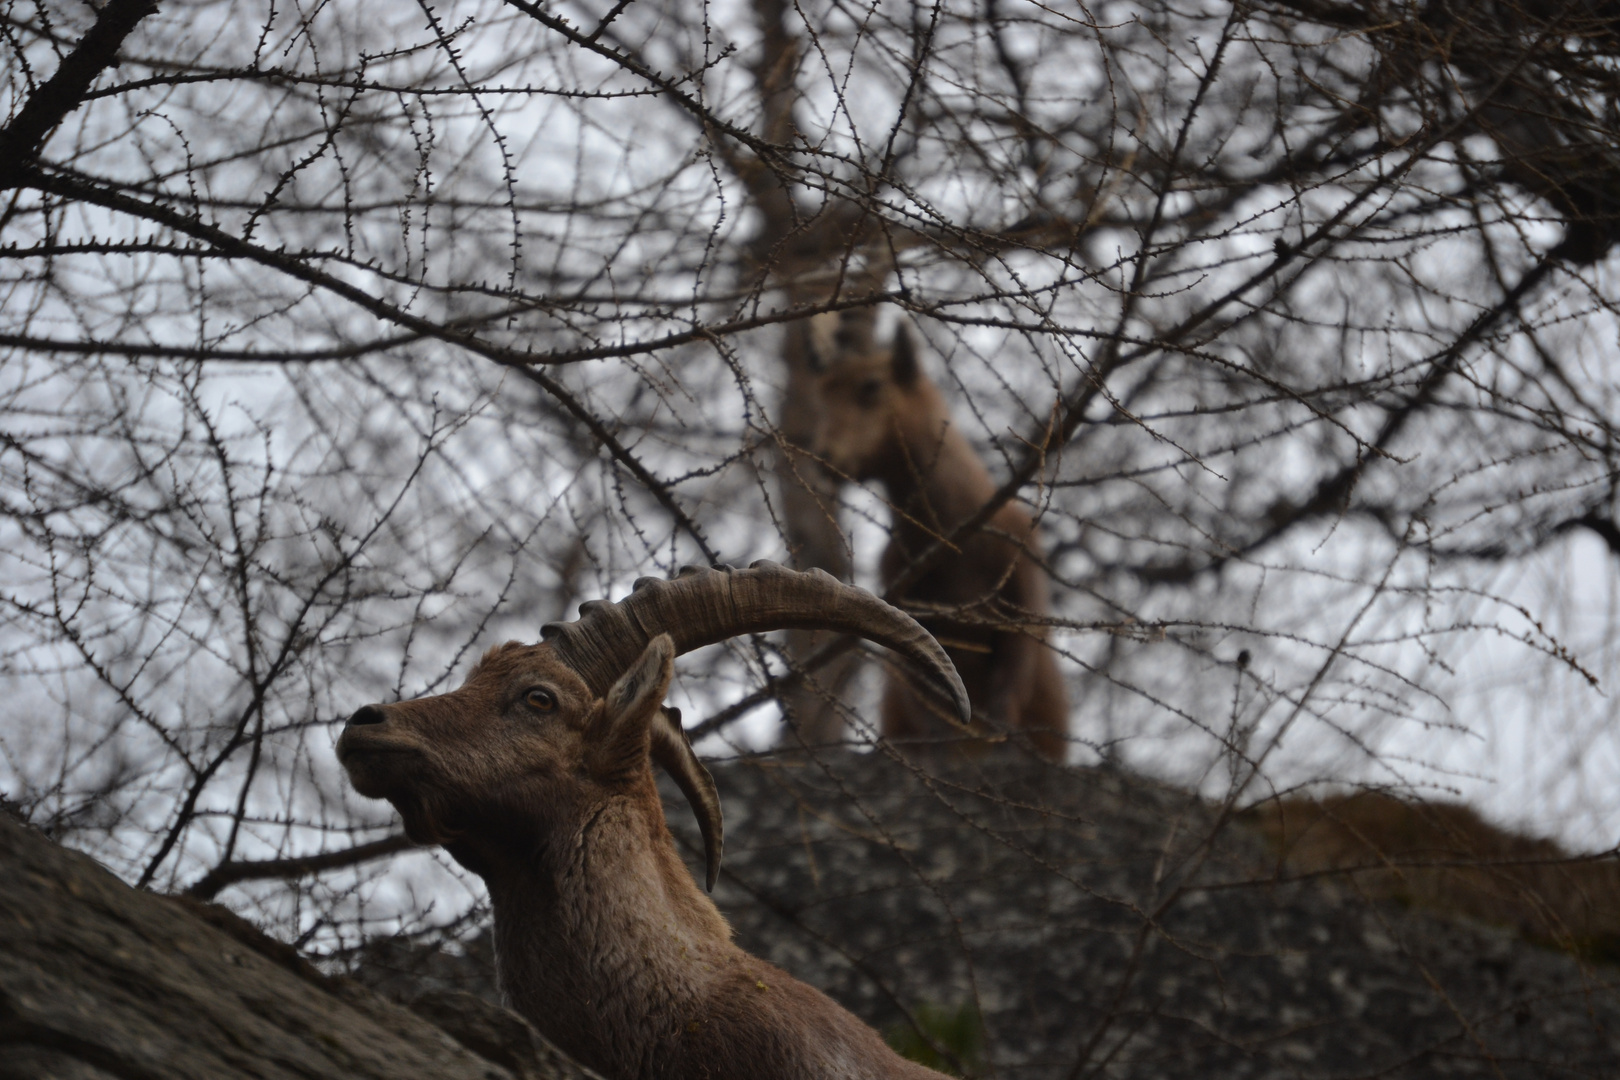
(903, 358)
(820, 343)
(616, 741)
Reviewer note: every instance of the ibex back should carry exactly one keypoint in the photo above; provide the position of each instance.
(882, 419)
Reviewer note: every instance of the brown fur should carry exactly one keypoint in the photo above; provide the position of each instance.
(883, 420)
(602, 939)
(1445, 857)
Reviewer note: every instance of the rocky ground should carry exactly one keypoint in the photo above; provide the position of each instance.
(1101, 932)
(101, 982)
(1097, 930)
(1032, 922)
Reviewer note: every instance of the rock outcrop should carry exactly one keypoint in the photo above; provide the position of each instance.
(1095, 924)
(1103, 927)
(1089, 923)
(99, 981)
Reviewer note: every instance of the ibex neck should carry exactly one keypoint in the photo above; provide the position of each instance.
(605, 943)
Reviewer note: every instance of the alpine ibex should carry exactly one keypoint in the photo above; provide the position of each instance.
(882, 419)
(536, 775)
(1445, 857)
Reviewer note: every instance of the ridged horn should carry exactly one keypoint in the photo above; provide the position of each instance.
(672, 749)
(701, 606)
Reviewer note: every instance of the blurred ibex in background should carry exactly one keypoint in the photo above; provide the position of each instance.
(986, 600)
(537, 776)
(1445, 857)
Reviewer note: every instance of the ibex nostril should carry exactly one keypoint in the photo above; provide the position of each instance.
(369, 714)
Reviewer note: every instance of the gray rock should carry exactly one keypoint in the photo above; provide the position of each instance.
(1102, 926)
(101, 982)
(1101, 932)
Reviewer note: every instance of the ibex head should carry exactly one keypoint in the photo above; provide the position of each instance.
(868, 397)
(539, 731)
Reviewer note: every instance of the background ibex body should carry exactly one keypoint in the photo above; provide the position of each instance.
(882, 419)
(536, 775)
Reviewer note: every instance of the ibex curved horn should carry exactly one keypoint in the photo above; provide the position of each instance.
(701, 606)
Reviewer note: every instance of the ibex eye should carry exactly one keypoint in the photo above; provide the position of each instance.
(867, 393)
(544, 700)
